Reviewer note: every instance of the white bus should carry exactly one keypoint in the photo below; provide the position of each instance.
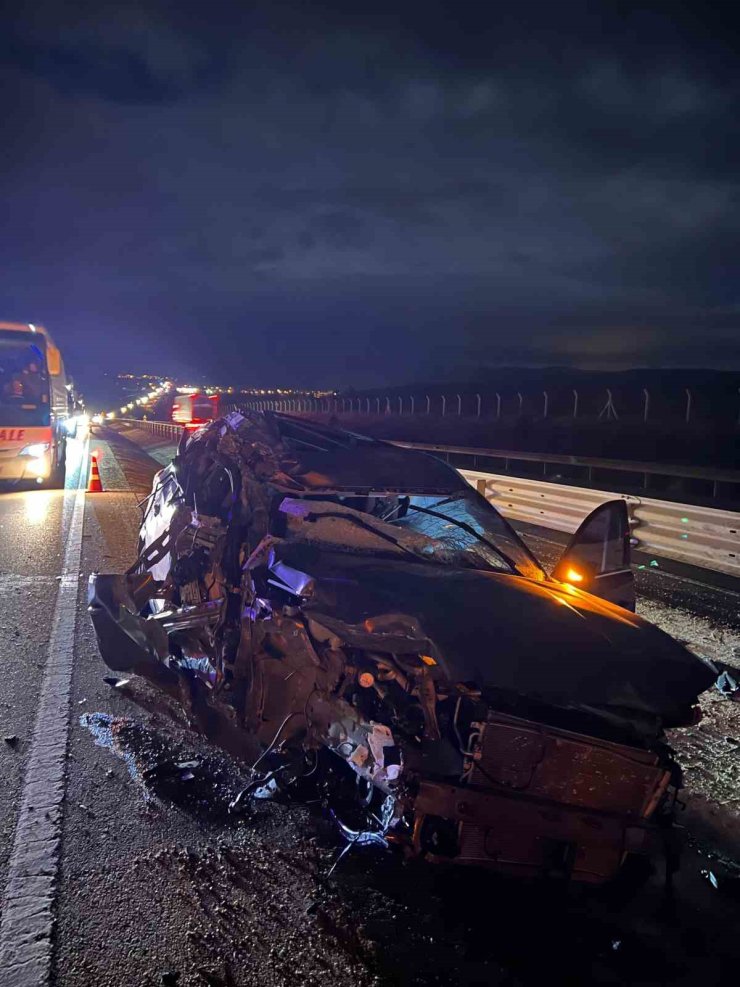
(34, 406)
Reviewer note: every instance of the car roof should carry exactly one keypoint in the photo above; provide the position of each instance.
(331, 458)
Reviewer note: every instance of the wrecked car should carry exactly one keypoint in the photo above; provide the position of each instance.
(357, 622)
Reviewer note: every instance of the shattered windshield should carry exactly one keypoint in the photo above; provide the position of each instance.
(455, 530)
(24, 386)
(471, 526)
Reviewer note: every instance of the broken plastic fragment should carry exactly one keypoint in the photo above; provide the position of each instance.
(728, 684)
(114, 681)
(296, 508)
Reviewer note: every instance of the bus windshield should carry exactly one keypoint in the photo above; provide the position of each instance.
(24, 383)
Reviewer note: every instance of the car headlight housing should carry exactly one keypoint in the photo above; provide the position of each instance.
(36, 450)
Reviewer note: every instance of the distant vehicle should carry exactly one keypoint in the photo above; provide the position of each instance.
(196, 409)
(34, 405)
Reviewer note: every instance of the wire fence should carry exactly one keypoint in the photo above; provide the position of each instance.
(687, 405)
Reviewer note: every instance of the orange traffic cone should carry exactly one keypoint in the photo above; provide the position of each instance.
(94, 486)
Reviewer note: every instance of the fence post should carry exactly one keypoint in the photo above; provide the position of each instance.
(609, 410)
(478, 400)
(646, 406)
(544, 410)
(444, 405)
(688, 406)
(459, 405)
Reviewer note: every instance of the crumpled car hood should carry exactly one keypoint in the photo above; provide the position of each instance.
(505, 632)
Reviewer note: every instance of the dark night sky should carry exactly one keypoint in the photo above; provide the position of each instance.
(352, 193)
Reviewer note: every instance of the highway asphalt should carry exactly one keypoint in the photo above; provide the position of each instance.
(157, 884)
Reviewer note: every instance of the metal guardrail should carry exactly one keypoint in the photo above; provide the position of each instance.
(701, 536)
(623, 466)
(168, 430)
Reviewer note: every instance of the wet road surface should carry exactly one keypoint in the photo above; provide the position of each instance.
(159, 884)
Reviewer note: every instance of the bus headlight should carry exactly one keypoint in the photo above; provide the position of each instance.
(35, 451)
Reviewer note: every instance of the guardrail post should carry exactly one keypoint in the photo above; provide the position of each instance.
(575, 403)
(498, 406)
(429, 403)
(646, 405)
(478, 400)
(459, 405)
(444, 405)
(377, 405)
(412, 404)
(521, 400)
(400, 405)
(544, 410)
(387, 406)
(688, 406)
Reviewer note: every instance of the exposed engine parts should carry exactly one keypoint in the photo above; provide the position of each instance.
(360, 625)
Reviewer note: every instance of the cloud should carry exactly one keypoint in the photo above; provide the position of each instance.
(547, 183)
(119, 53)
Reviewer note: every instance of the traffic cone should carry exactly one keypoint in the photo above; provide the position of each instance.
(94, 486)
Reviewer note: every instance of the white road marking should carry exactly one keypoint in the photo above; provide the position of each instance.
(28, 899)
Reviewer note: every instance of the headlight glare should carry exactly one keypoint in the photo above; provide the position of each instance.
(35, 451)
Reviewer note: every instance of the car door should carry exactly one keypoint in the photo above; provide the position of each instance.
(598, 556)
